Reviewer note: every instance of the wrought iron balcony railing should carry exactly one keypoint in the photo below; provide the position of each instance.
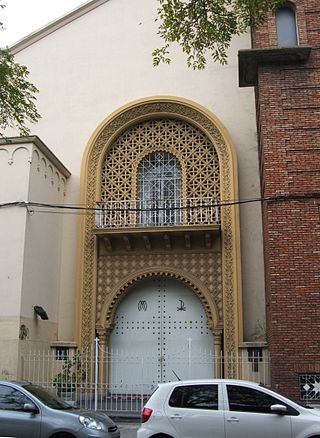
(157, 213)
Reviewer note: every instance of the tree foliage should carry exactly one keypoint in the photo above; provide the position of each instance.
(17, 94)
(204, 28)
(1, 24)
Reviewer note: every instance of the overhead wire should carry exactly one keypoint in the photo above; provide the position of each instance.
(82, 209)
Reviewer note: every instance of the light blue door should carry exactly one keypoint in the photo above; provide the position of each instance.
(160, 334)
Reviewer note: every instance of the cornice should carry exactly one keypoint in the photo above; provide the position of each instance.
(251, 59)
(10, 141)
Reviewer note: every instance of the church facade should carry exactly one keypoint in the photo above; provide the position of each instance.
(141, 203)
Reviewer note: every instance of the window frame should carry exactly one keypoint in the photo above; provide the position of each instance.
(18, 391)
(154, 187)
(265, 411)
(182, 405)
(286, 24)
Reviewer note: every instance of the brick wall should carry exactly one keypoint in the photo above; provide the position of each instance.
(288, 109)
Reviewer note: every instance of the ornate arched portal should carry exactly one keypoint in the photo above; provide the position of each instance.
(112, 254)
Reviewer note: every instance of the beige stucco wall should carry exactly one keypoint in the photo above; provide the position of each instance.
(102, 61)
(30, 250)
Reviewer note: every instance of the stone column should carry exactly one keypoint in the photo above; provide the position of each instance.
(217, 333)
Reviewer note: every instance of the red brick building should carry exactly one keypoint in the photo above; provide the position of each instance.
(286, 75)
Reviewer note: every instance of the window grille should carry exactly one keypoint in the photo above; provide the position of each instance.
(159, 189)
(62, 353)
(309, 387)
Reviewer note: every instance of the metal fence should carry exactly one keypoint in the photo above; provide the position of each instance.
(85, 378)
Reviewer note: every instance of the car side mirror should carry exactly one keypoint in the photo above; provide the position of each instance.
(279, 409)
(30, 407)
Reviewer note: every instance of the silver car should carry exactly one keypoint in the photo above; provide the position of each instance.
(29, 411)
(224, 409)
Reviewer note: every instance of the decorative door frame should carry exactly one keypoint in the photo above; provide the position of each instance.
(98, 144)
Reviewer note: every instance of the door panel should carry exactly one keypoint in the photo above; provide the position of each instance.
(19, 424)
(187, 340)
(13, 420)
(193, 411)
(135, 339)
(249, 414)
(253, 425)
(160, 333)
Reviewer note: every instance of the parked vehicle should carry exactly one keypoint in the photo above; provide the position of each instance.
(224, 409)
(29, 411)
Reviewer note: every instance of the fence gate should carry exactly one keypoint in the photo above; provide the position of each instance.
(160, 333)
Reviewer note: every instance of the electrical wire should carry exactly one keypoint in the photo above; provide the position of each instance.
(79, 209)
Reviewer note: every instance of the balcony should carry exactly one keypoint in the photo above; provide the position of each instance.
(157, 213)
(157, 225)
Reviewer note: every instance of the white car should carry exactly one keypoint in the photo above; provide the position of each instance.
(224, 408)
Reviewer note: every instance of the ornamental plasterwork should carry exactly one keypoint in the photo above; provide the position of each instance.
(117, 125)
(12, 151)
(39, 161)
(205, 267)
(199, 160)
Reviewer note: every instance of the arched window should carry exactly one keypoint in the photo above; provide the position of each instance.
(286, 26)
(159, 190)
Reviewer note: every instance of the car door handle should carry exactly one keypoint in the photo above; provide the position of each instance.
(176, 417)
(233, 420)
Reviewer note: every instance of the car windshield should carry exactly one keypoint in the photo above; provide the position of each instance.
(48, 398)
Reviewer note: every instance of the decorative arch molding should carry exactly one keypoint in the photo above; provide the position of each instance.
(106, 322)
(16, 152)
(30, 156)
(101, 140)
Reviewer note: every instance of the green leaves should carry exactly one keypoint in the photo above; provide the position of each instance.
(71, 376)
(1, 24)
(17, 95)
(204, 28)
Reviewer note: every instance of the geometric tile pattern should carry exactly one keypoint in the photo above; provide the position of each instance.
(205, 267)
(195, 152)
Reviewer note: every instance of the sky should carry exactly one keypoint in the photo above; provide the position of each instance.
(22, 17)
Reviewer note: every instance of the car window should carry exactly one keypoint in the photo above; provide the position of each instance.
(246, 399)
(195, 397)
(11, 399)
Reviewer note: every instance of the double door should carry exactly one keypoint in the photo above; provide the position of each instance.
(160, 334)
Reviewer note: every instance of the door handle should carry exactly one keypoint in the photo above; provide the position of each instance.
(233, 420)
(176, 417)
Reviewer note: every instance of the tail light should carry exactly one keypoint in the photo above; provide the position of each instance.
(146, 414)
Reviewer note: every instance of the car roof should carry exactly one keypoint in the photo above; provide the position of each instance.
(208, 381)
(16, 382)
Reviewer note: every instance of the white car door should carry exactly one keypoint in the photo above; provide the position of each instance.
(193, 411)
(249, 414)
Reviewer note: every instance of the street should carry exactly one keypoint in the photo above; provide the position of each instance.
(128, 429)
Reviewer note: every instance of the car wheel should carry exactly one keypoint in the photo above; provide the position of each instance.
(161, 435)
(62, 435)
